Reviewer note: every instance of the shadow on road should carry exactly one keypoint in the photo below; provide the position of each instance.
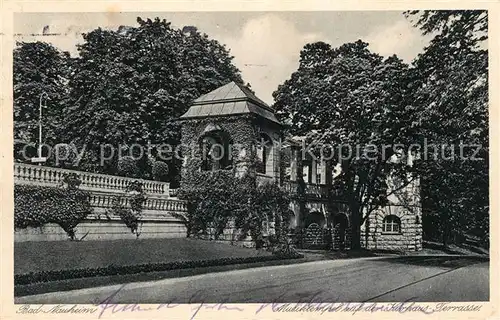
(450, 262)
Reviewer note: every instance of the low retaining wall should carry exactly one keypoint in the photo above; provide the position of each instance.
(157, 221)
(94, 228)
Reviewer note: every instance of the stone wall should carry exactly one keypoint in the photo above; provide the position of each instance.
(158, 216)
(155, 223)
(408, 239)
(404, 203)
(103, 229)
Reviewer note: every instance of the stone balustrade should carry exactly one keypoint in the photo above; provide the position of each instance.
(290, 186)
(174, 193)
(262, 178)
(317, 190)
(159, 217)
(105, 200)
(49, 176)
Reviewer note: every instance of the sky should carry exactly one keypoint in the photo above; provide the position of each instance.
(266, 45)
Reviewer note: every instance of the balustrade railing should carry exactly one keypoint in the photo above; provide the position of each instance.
(262, 178)
(49, 176)
(318, 190)
(105, 200)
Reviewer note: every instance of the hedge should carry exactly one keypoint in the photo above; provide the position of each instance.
(35, 206)
(55, 275)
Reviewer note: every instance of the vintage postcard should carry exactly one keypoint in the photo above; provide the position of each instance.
(255, 160)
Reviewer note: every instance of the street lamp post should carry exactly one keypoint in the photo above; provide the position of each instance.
(40, 159)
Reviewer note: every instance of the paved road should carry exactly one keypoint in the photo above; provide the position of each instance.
(429, 279)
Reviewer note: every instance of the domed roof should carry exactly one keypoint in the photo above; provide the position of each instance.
(230, 99)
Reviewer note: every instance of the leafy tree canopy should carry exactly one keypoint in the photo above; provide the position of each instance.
(350, 97)
(39, 69)
(451, 96)
(134, 81)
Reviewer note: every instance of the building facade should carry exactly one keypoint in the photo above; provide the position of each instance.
(249, 140)
(231, 129)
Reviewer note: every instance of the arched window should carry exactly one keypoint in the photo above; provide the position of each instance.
(315, 217)
(216, 152)
(391, 224)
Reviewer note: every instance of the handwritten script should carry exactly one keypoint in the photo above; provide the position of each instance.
(107, 306)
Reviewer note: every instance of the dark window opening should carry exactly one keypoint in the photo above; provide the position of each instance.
(216, 152)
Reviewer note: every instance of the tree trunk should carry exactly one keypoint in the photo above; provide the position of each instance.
(355, 227)
(446, 229)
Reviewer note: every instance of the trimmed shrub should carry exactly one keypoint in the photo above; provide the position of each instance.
(127, 166)
(214, 199)
(160, 171)
(35, 206)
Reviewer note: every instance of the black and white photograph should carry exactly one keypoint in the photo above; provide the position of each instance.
(297, 161)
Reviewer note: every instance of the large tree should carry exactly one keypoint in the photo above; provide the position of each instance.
(131, 84)
(351, 97)
(451, 96)
(39, 69)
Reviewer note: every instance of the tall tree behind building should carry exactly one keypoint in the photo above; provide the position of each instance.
(451, 97)
(39, 68)
(350, 97)
(131, 84)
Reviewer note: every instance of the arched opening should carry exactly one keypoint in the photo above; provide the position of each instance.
(292, 222)
(391, 224)
(315, 217)
(216, 151)
(265, 154)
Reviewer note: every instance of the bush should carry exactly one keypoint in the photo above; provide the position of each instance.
(214, 198)
(130, 216)
(35, 206)
(127, 166)
(160, 171)
(218, 198)
(64, 155)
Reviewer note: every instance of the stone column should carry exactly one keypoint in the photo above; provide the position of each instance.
(324, 172)
(293, 165)
(314, 171)
(242, 163)
(306, 173)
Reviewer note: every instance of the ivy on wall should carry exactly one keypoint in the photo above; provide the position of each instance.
(222, 199)
(243, 132)
(218, 200)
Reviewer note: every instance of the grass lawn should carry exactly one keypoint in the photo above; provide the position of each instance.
(64, 255)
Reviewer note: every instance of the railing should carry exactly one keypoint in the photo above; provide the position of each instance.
(106, 200)
(174, 192)
(49, 176)
(262, 178)
(317, 190)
